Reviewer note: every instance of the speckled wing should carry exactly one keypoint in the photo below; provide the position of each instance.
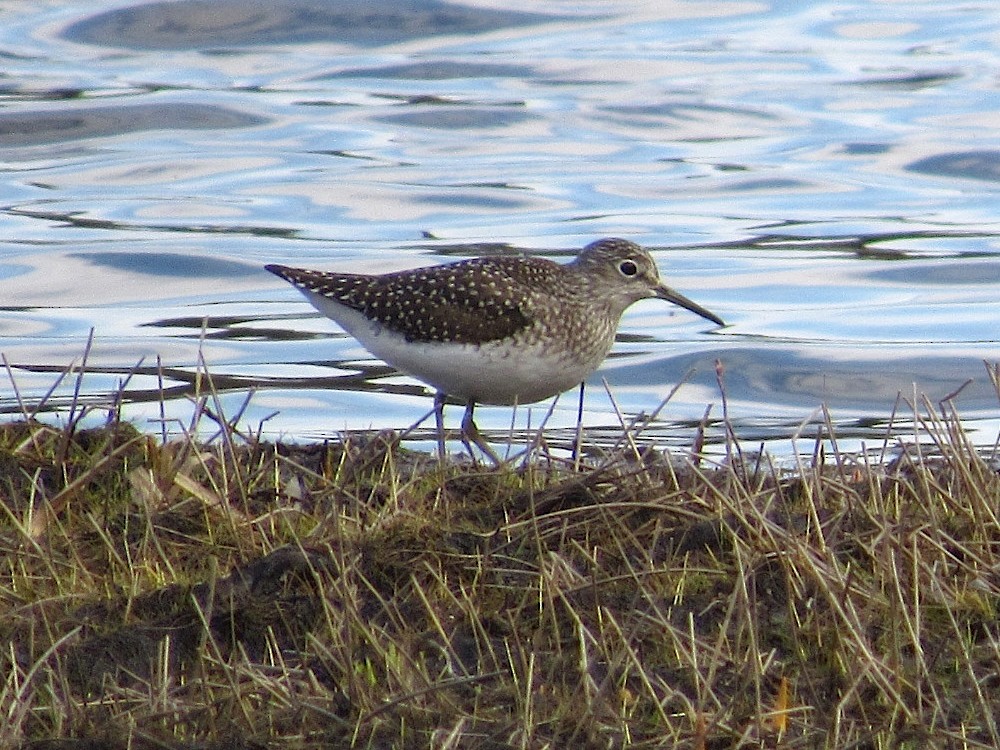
(469, 302)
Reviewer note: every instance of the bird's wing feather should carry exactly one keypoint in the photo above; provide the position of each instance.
(471, 301)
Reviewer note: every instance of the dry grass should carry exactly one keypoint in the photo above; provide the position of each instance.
(237, 594)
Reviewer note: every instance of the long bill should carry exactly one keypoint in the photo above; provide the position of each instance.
(668, 294)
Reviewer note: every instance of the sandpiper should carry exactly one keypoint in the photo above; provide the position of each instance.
(496, 330)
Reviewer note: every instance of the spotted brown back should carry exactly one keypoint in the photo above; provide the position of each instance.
(469, 302)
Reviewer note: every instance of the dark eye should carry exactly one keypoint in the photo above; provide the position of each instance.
(628, 268)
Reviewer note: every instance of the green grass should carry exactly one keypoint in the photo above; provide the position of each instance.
(240, 594)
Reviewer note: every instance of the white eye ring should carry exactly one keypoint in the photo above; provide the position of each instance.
(628, 268)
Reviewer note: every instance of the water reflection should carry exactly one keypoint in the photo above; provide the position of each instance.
(197, 24)
(169, 264)
(968, 165)
(856, 383)
(695, 121)
(465, 118)
(832, 194)
(434, 70)
(35, 128)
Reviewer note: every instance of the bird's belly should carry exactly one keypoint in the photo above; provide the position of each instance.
(491, 373)
(505, 372)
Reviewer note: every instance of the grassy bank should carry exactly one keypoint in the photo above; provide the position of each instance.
(238, 594)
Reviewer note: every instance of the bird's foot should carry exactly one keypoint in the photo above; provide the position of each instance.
(471, 435)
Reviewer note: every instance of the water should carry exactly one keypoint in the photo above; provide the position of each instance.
(823, 176)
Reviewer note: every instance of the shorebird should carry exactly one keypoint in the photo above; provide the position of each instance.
(496, 330)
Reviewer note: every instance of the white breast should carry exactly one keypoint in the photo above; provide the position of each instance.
(491, 373)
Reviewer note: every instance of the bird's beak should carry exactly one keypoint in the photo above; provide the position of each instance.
(665, 292)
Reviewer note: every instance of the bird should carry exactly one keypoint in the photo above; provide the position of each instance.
(500, 330)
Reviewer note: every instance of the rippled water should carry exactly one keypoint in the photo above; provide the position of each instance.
(823, 176)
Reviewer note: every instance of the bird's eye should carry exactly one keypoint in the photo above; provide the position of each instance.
(628, 268)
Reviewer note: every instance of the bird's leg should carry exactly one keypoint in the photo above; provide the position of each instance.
(439, 421)
(578, 439)
(470, 434)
